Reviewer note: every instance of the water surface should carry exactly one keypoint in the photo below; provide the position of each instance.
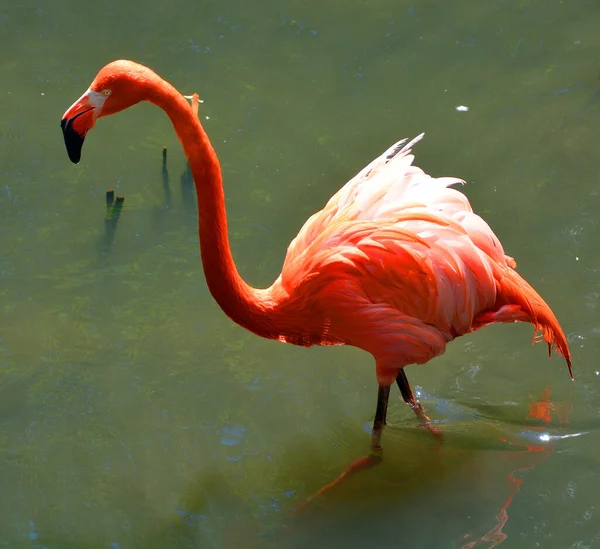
(133, 413)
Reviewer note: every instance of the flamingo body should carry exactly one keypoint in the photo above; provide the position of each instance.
(398, 264)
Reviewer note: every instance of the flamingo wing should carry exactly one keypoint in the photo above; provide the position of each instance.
(391, 189)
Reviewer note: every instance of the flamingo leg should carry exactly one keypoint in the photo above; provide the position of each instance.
(410, 399)
(375, 456)
(383, 396)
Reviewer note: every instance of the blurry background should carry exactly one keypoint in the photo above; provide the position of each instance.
(133, 413)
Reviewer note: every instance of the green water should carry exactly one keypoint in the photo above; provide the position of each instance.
(133, 413)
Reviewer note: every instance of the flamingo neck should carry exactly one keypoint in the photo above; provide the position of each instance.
(245, 305)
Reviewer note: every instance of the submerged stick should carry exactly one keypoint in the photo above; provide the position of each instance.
(166, 179)
(113, 213)
(114, 206)
(118, 207)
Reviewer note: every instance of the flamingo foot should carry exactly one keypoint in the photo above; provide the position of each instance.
(424, 418)
(410, 399)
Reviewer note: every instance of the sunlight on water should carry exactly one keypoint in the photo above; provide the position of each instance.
(135, 414)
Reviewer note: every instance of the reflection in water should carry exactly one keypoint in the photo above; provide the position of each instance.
(393, 502)
(540, 410)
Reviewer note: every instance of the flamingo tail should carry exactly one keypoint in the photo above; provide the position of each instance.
(519, 302)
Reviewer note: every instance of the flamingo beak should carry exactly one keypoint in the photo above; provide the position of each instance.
(79, 118)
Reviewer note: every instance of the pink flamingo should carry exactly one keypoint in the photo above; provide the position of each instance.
(396, 263)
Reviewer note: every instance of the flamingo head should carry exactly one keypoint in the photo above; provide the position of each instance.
(119, 85)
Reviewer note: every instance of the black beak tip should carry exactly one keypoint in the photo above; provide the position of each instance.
(73, 140)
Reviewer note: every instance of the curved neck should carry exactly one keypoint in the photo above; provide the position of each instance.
(245, 305)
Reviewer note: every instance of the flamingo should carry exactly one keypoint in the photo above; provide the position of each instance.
(396, 263)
